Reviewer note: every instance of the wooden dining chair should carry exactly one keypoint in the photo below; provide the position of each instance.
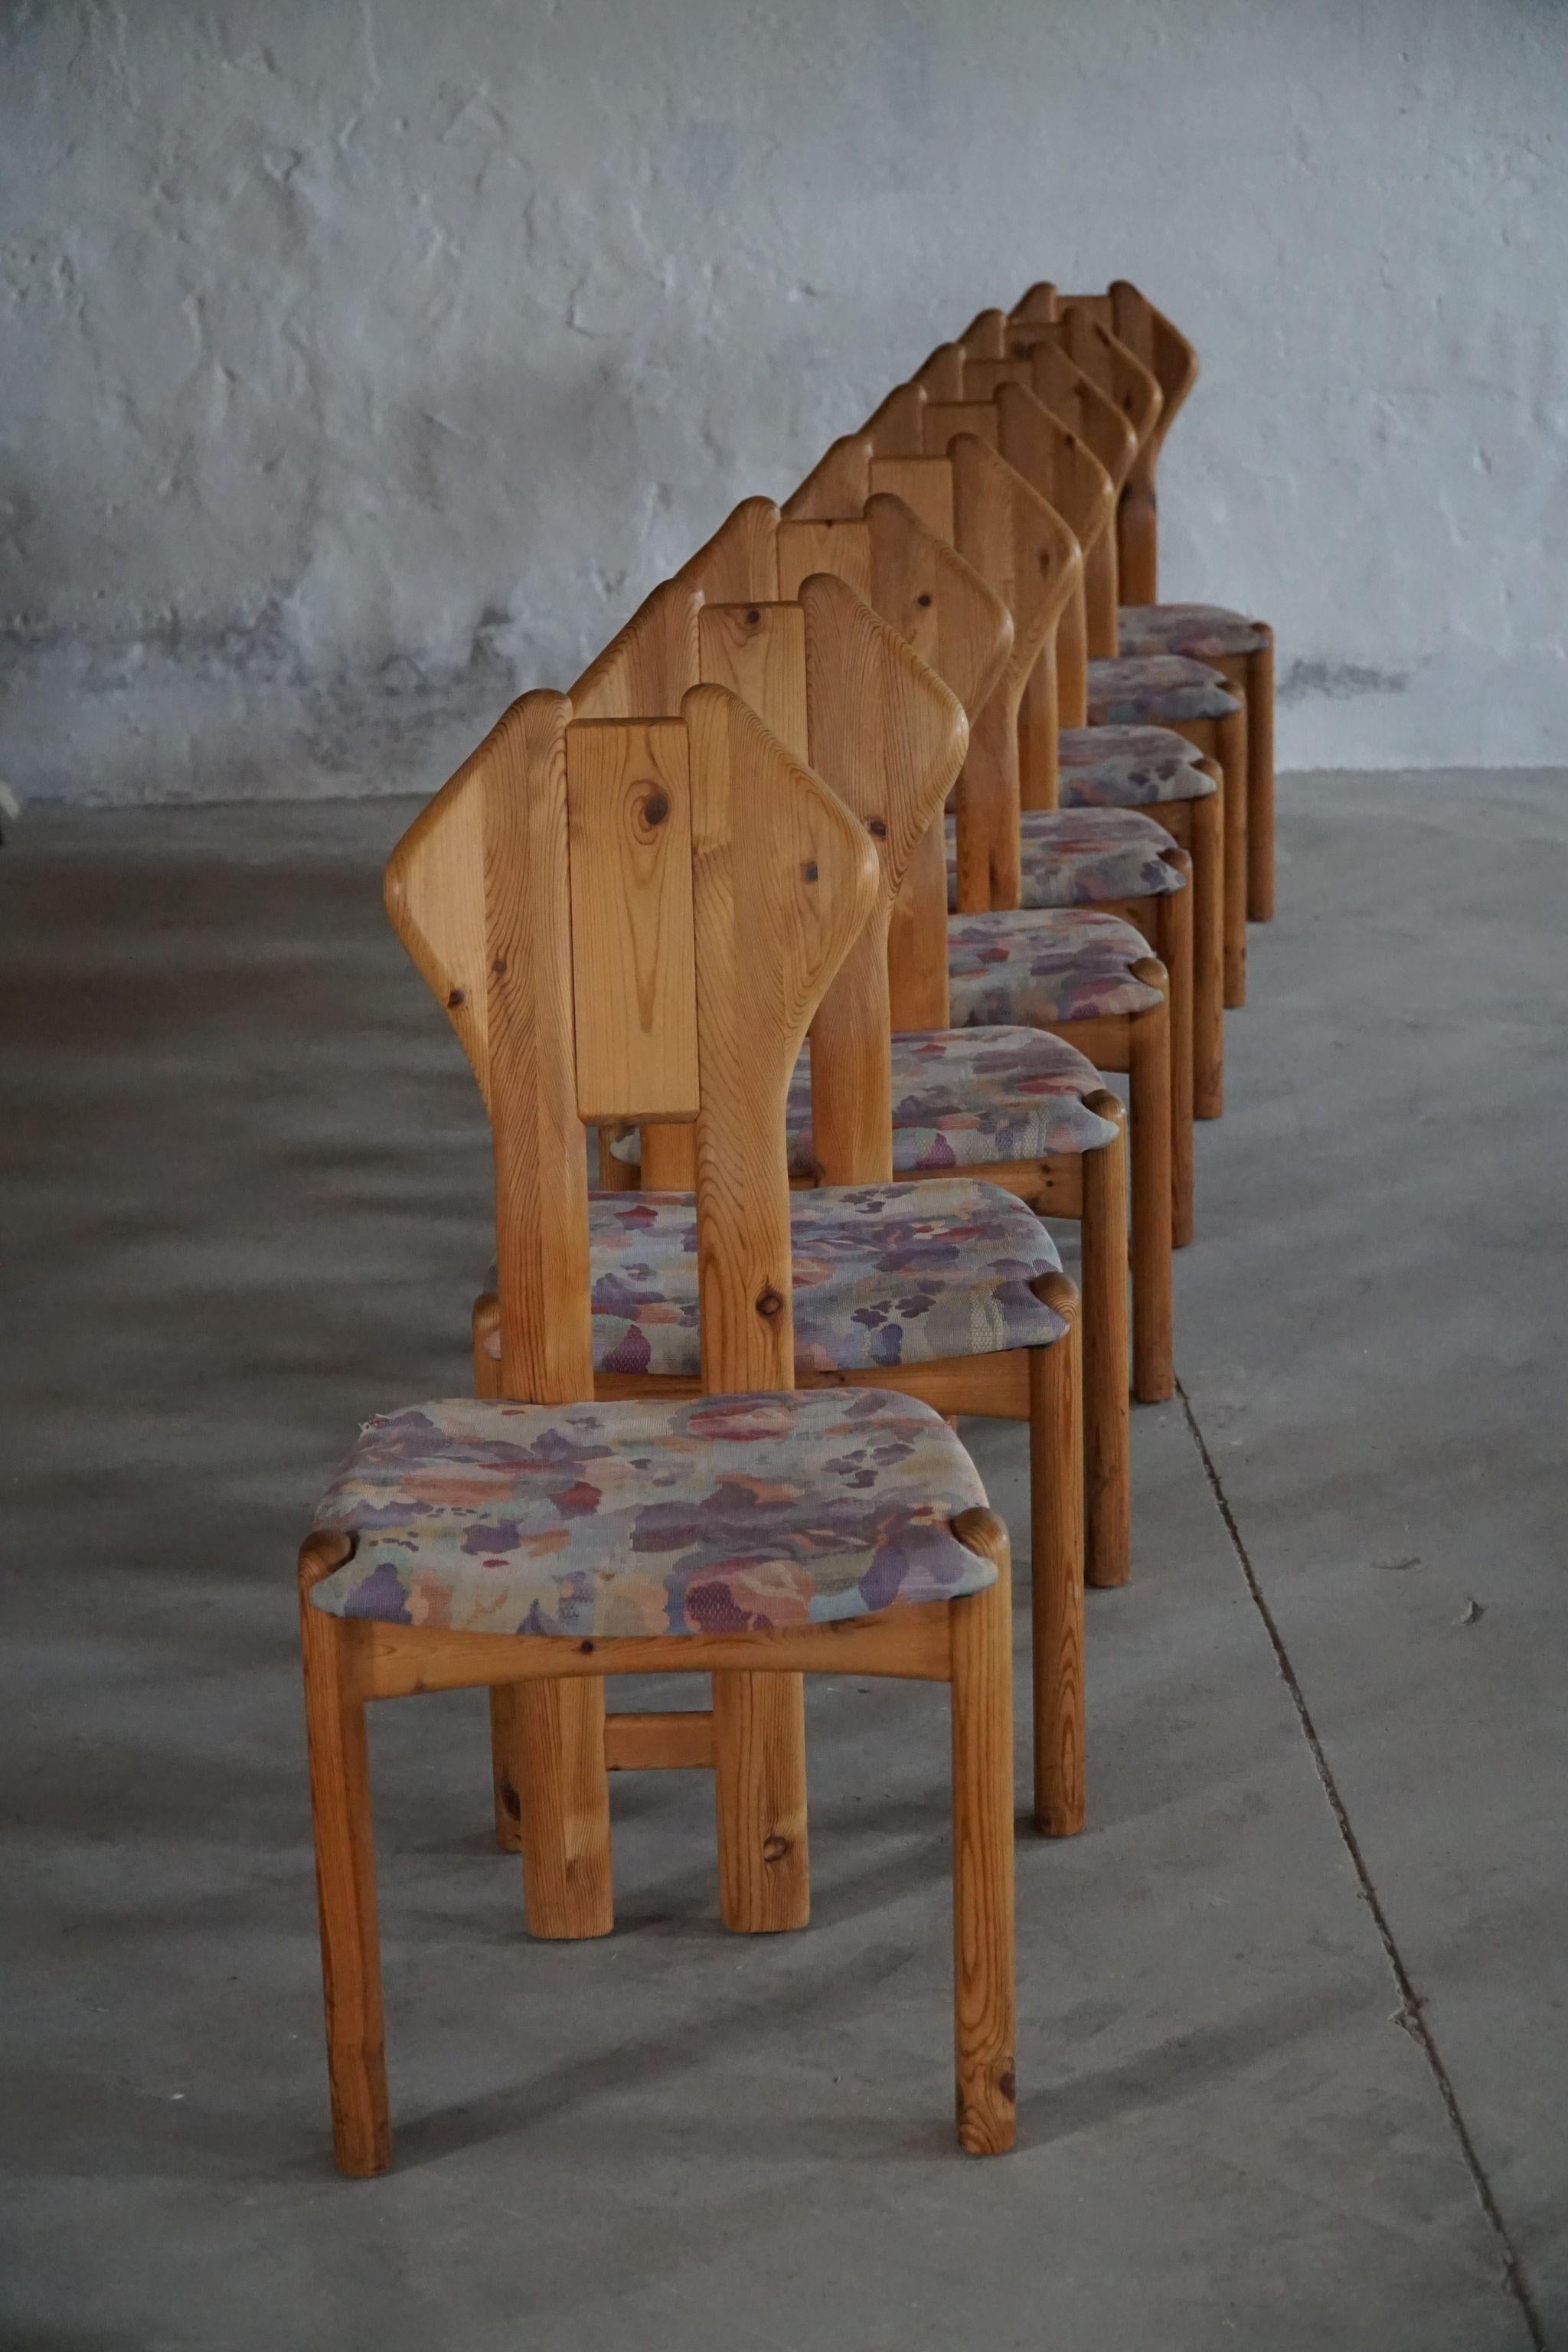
(1080, 973)
(663, 905)
(1003, 1102)
(949, 1291)
(1109, 331)
(1121, 772)
(1186, 698)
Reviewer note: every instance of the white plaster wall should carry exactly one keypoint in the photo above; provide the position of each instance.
(364, 363)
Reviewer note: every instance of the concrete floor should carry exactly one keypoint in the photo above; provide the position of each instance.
(246, 1205)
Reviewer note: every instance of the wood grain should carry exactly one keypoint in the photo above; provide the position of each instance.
(985, 2003)
(1057, 1567)
(632, 959)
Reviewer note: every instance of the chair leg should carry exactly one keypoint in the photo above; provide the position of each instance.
(759, 1777)
(1106, 1434)
(547, 1765)
(1148, 1088)
(1056, 1564)
(345, 1878)
(547, 1742)
(1175, 947)
(1260, 780)
(1230, 750)
(984, 2000)
(1205, 822)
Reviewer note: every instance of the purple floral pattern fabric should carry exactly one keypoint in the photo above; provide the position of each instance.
(1044, 966)
(713, 1515)
(1127, 767)
(1203, 633)
(1077, 857)
(1159, 689)
(971, 1097)
(884, 1274)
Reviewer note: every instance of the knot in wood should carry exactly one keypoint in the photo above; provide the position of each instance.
(656, 808)
(498, 967)
(586, 1648)
(457, 996)
(752, 617)
(808, 871)
(774, 1848)
(877, 827)
(924, 598)
(770, 1304)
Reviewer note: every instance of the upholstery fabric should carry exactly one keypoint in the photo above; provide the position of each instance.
(1075, 857)
(967, 1097)
(1044, 966)
(713, 1515)
(1201, 633)
(1159, 689)
(1127, 767)
(884, 1274)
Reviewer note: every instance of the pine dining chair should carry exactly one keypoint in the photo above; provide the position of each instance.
(949, 1291)
(1182, 697)
(546, 1540)
(1122, 775)
(1004, 1103)
(1118, 773)
(1080, 973)
(1106, 331)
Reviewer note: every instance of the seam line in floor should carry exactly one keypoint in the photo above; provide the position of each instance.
(1410, 2013)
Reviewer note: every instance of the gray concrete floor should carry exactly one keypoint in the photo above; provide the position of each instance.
(1292, 2039)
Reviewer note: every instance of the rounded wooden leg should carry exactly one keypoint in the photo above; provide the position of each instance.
(1260, 780)
(1175, 943)
(1108, 1483)
(345, 1876)
(1230, 750)
(1149, 1085)
(548, 1750)
(759, 1741)
(1206, 832)
(1056, 1567)
(984, 2000)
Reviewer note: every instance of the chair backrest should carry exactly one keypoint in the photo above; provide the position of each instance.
(917, 582)
(845, 690)
(634, 918)
(1165, 350)
(1072, 504)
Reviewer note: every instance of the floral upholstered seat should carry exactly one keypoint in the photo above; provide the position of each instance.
(884, 1274)
(1203, 633)
(713, 1515)
(1077, 857)
(1127, 767)
(971, 1097)
(1156, 689)
(1046, 965)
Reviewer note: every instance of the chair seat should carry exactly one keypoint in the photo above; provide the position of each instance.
(1127, 767)
(1076, 857)
(1158, 690)
(1203, 633)
(713, 1515)
(972, 1097)
(884, 1274)
(1045, 965)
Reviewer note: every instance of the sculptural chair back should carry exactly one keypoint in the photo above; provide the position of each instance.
(876, 700)
(1162, 350)
(635, 918)
(955, 463)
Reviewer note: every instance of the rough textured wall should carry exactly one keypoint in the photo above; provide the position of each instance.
(366, 362)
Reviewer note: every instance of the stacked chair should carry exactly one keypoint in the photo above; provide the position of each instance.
(818, 908)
